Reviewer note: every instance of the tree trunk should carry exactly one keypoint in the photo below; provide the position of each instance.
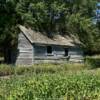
(7, 56)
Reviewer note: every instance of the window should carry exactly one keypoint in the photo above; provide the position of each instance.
(66, 52)
(49, 50)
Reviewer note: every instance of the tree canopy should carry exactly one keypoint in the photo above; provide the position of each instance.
(53, 17)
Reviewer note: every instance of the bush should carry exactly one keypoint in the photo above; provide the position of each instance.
(23, 70)
(6, 70)
(93, 61)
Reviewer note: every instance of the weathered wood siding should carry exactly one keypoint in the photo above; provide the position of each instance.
(29, 54)
(58, 51)
(25, 51)
(76, 55)
(58, 54)
(41, 51)
(41, 56)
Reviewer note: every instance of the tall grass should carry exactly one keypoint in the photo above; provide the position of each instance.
(49, 82)
(40, 68)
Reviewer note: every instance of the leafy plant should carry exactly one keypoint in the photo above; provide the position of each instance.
(49, 86)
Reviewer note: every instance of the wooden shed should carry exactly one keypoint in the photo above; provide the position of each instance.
(35, 47)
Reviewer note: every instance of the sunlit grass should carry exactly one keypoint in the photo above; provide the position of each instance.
(43, 81)
(40, 68)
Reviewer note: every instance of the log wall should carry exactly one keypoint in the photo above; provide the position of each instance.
(25, 51)
(58, 54)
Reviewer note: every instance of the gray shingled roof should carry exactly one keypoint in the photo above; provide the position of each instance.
(37, 37)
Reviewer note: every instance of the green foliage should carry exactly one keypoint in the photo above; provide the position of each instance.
(6, 70)
(40, 14)
(51, 16)
(51, 86)
(48, 81)
(93, 62)
(87, 33)
(8, 23)
(75, 18)
(41, 68)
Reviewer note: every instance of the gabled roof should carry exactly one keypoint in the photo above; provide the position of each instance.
(39, 38)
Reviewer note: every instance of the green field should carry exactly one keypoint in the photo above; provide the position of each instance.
(50, 82)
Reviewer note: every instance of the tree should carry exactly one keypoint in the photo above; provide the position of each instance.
(42, 15)
(49, 16)
(8, 23)
(80, 24)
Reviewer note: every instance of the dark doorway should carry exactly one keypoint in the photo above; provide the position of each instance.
(66, 52)
(49, 49)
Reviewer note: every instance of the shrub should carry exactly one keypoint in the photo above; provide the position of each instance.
(93, 61)
(6, 70)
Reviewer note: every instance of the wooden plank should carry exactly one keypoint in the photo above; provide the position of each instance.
(50, 61)
(25, 51)
(51, 58)
(23, 42)
(25, 56)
